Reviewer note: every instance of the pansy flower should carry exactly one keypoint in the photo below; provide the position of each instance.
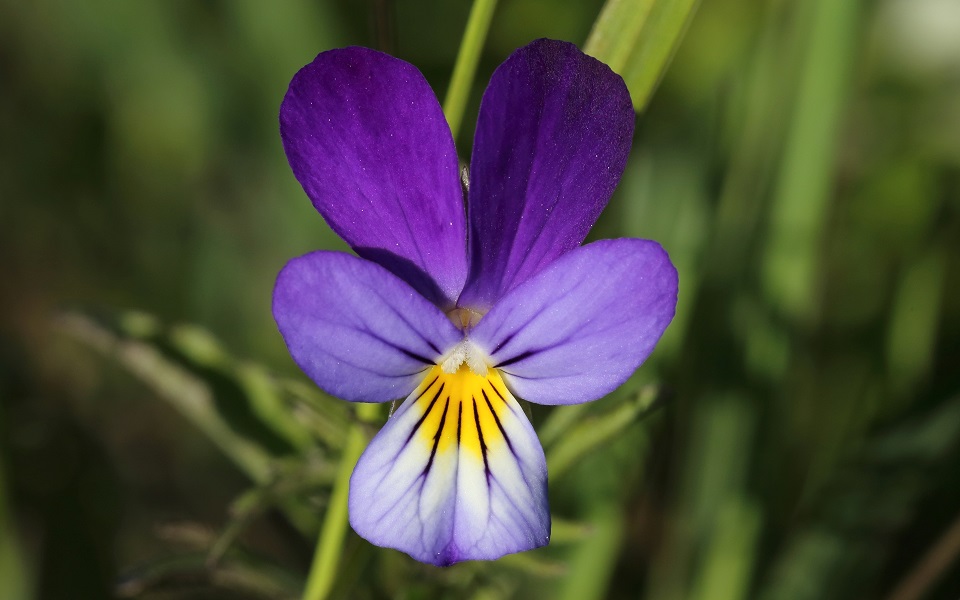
(461, 312)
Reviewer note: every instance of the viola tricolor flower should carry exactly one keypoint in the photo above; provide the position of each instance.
(458, 311)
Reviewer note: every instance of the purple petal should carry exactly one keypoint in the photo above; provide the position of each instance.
(358, 331)
(581, 327)
(367, 140)
(456, 474)
(552, 140)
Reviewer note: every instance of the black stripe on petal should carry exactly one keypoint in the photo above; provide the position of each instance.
(497, 392)
(426, 413)
(503, 431)
(513, 407)
(459, 421)
(436, 437)
(483, 445)
(516, 358)
(414, 355)
(503, 343)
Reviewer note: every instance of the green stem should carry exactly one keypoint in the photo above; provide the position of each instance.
(466, 66)
(326, 558)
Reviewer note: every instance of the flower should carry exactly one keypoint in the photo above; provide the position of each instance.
(463, 314)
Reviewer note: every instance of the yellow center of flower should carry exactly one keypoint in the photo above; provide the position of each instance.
(463, 410)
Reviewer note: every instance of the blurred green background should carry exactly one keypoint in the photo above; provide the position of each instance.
(796, 434)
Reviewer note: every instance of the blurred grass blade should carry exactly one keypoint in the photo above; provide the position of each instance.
(243, 574)
(565, 532)
(716, 464)
(13, 575)
(187, 394)
(325, 418)
(532, 563)
(195, 398)
(560, 420)
(804, 186)
(251, 401)
(637, 39)
(915, 319)
(593, 562)
(920, 439)
(730, 554)
(808, 568)
(244, 394)
(267, 404)
(295, 479)
(594, 431)
(878, 491)
(243, 511)
(760, 120)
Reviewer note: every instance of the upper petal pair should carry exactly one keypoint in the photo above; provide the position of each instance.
(366, 138)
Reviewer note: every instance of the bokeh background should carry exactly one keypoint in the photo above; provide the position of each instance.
(796, 434)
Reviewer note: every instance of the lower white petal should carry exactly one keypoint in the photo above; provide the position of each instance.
(457, 473)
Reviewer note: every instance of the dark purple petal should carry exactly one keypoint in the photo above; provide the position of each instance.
(358, 331)
(581, 327)
(457, 473)
(552, 140)
(367, 140)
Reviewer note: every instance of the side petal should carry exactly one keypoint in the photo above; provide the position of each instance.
(358, 331)
(581, 327)
(457, 473)
(367, 140)
(552, 141)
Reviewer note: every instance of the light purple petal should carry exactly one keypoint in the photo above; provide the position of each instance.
(367, 140)
(457, 473)
(552, 140)
(581, 327)
(360, 332)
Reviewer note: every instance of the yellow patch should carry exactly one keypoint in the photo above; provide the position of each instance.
(463, 410)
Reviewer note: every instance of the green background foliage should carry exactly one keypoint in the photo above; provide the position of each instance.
(795, 435)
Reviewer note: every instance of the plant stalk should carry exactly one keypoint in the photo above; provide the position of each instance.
(468, 57)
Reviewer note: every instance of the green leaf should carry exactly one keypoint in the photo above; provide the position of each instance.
(637, 39)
